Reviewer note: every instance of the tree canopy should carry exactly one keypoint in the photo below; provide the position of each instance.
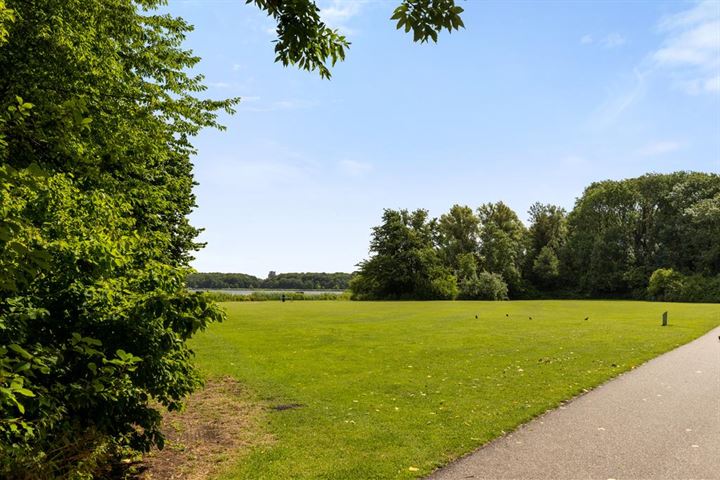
(616, 236)
(405, 263)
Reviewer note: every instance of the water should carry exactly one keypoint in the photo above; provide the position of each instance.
(249, 292)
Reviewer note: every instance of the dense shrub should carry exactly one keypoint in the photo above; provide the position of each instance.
(90, 329)
(699, 288)
(443, 286)
(665, 284)
(97, 110)
(484, 286)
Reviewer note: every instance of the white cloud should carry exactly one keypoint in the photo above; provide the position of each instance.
(355, 169)
(691, 50)
(659, 148)
(619, 100)
(613, 40)
(586, 39)
(339, 12)
(698, 14)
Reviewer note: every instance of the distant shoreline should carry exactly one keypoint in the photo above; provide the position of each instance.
(250, 291)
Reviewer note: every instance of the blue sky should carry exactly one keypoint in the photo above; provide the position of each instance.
(531, 102)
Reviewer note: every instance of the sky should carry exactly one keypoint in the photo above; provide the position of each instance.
(532, 101)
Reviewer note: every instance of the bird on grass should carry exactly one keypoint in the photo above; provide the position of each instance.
(529, 318)
(587, 318)
(507, 314)
(476, 317)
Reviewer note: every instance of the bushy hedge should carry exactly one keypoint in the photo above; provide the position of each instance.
(670, 286)
(91, 329)
(484, 286)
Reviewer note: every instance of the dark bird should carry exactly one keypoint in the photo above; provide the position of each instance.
(476, 316)
(530, 318)
(586, 318)
(507, 314)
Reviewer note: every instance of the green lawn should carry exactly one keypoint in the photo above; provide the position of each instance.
(396, 389)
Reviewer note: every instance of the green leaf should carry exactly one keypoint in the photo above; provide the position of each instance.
(19, 350)
(25, 392)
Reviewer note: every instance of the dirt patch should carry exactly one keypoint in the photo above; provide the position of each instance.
(286, 406)
(219, 424)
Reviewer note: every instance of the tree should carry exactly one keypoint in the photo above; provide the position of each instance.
(688, 223)
(405, 263)
(303, 39)
(548, 227)
(546, 239)
(600, 246)
(622, 231)
(502, 243)
(95, 189)
(546, 267)
(458, 236)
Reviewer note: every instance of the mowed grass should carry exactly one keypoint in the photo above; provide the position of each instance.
(396, 389)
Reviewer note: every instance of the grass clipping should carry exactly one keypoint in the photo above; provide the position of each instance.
(218, 424)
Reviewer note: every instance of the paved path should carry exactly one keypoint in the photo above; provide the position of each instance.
(659, 421)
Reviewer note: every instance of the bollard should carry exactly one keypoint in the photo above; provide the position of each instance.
(664, 324)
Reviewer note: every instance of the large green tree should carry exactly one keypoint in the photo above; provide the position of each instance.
(546, 239)
(503, 239)
(622, 231)
(458, 232)
(405, 262)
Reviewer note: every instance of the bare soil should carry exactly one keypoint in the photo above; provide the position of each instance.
(217, 426)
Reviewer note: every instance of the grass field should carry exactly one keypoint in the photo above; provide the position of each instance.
(396, 389)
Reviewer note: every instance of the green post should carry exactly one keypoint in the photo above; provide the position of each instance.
(664, 324)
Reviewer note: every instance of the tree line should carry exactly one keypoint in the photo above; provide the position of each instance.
(652, 237)
(282, 281)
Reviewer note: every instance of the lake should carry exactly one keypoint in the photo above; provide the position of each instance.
(259, 290)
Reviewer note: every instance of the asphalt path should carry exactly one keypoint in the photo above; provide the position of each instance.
(658, 421)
